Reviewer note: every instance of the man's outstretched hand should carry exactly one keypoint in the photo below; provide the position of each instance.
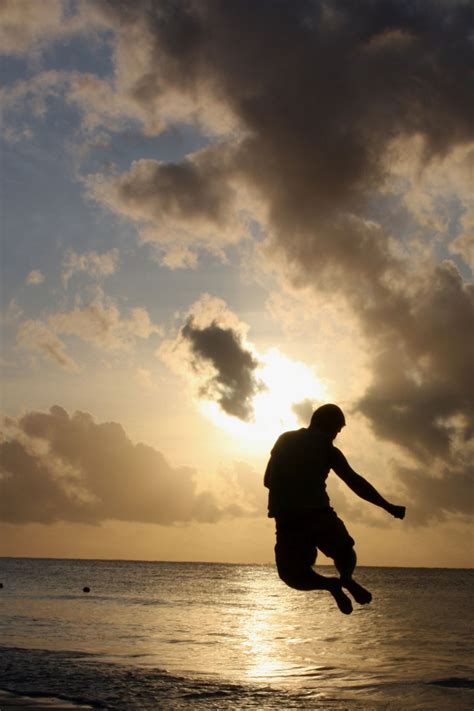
(396, 511)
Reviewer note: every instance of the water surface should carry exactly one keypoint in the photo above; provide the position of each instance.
(165, 635)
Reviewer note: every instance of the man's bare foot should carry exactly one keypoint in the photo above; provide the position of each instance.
(360, 594)
(343, 602)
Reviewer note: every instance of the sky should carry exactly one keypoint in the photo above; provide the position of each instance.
(217, 216)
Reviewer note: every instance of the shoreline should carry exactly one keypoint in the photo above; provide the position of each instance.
(12, 700)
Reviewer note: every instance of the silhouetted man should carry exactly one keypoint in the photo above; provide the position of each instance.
(305, 522)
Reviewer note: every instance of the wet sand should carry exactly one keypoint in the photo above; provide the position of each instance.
(13, 701)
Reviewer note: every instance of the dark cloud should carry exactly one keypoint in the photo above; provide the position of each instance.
(319, 88)
(177, 205)
(435, 498)
(180, 190)
(304, 410)
(321, 92)
(422, 392)
(234, 384)
(60, 468)
(423, 379)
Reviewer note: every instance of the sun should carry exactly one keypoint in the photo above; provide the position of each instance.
(286, 382)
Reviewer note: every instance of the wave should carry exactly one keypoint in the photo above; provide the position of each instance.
(66, 676)
(90, 679)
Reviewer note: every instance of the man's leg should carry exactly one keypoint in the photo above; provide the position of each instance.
(345, 562)
(305, 578)
(336, 543)
(295, 554)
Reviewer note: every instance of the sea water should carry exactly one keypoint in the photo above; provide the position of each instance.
(153, 635)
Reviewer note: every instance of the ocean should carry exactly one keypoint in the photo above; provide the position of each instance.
(155, 635)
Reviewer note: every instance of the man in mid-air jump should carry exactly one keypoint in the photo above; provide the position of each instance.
(305, 522)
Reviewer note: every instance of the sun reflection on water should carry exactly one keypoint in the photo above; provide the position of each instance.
(276, 646)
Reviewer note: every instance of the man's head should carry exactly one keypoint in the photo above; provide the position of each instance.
(329, 419)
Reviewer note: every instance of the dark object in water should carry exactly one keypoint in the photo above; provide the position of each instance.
(86, 589)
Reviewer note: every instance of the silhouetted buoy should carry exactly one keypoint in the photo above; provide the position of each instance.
(86, 589)
(1, 585)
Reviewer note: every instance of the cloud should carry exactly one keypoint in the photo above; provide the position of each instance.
(26, 23)
(422, 374)
(34, 277)
(438, 497)
(27, 101)
(464, 244)
(313, 146)
(94, 264)
(57, 467)
(234, 384)
(210, 350)
(34, 335)
(179, 206)
(439, 195)
(420, 396)
(103, 104)
(304, 410)
(28, 27)
(99, 322)
(183, 191)
(142, 85)
(96, 100)
(177, 257)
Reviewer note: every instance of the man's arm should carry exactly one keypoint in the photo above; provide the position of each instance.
(361, 486)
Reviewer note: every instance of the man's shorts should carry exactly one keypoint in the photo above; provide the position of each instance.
(299, 535)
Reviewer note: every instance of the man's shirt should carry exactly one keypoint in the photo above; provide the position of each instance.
(297, 471)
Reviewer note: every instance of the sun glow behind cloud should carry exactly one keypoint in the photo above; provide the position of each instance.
(286, 383)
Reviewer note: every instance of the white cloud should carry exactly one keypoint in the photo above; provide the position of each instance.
(26, 23)
(92, 263)
(178, 257)
(27, 27)
(100, 322)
